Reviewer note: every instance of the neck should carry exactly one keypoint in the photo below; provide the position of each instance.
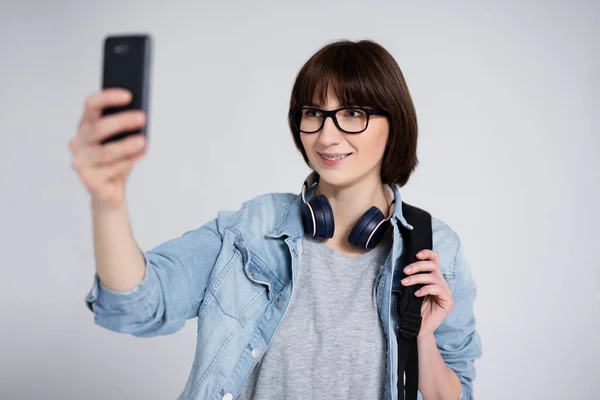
(350, 203)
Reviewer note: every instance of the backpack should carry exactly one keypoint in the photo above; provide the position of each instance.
(406, 305)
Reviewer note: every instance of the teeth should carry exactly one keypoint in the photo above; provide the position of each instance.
(333, 158)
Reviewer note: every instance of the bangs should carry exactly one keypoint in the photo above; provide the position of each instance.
(349, 72)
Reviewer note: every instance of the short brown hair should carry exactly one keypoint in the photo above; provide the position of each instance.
(363, 73)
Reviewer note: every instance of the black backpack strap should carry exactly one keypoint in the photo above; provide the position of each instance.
(407, 305)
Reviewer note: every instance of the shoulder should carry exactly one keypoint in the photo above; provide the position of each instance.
(263, 211)
(447, 243)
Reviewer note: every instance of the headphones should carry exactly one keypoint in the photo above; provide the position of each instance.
(317, 218)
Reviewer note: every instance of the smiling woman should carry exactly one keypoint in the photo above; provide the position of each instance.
(336, 249)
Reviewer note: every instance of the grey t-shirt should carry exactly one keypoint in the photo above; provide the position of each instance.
(330, 343)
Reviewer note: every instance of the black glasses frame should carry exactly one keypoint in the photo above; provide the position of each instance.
(296, 117)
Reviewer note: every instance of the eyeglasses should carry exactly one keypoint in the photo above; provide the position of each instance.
(346, 119)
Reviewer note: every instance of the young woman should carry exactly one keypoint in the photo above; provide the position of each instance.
(289, 307)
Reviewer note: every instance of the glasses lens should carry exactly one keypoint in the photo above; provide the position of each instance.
(310, 120)
(352, 120)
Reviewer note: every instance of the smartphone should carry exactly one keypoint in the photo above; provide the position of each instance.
(126, 64)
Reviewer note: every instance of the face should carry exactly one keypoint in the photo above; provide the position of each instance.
(362, 152)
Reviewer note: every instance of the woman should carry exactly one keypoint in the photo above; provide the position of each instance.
(260, 278)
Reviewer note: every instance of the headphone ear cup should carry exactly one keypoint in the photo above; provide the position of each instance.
(378, 234)
(308, 219)
(366, 225)
(323, 217)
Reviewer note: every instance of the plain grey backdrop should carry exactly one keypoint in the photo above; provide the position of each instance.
(507, 101)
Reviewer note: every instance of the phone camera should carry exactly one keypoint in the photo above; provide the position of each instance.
(121, 48)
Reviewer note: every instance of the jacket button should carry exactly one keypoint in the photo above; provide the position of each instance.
(255, 353)
(228, 396)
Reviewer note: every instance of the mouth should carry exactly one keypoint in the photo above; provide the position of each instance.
(333, 157)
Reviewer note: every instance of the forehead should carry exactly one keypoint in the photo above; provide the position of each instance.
(326, 98)
(329, 103)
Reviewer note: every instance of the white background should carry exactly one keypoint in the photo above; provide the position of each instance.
(507, 101)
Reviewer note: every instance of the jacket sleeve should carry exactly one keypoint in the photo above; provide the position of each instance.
(175, 280)
(456, 338)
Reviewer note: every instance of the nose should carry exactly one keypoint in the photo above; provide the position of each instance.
(329, 134)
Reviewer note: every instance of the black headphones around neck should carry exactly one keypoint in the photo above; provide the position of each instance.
(318, 221)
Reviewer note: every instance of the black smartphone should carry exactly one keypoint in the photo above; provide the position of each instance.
(127, 61)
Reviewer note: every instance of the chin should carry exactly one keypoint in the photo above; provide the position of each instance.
(338, 177)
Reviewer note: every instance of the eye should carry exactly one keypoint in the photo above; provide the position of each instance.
(354, 113)
(311, 113)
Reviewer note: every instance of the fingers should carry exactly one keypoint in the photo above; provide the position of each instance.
(430, 263)
(421, 266)
(428, 255)
(423, 279)
(433, 290)
(442, 296)
(96, 102)
(110, 125)
(93, 127)
(112, 152)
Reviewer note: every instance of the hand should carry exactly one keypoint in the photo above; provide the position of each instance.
(104, 169)
(438, 301)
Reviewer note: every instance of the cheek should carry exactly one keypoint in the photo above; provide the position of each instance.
(373, 146)
(307, 143)
(383, 144)
(304, 143)
(380, 138)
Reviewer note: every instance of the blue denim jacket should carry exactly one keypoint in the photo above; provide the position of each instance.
(236, 275)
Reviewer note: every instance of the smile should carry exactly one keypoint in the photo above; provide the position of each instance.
(334, 158)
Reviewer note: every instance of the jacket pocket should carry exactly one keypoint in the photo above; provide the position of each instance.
(245, 286)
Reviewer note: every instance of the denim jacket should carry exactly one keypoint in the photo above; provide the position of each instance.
(236, 275)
